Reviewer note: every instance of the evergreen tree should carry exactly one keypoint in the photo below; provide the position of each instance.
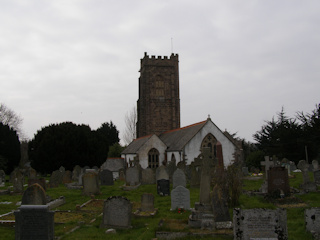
(9, 148)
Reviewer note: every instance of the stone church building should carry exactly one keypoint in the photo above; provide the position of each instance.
(160, 139)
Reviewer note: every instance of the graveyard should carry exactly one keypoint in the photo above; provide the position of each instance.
(140, 211)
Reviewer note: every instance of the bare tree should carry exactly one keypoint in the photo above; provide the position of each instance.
(130, 131)
(10, 118)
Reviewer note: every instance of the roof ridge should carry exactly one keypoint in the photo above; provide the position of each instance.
(143, 137)
(177, 129)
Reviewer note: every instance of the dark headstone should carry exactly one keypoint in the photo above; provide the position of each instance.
(220, 205)
(147, 202)
(55, 179)
(34, 195)
(180, 198)
(32, 173)
(163, 187)
(278, 181)
(106, 178)
(34, 222)
(117, 213)
(259, 224)
(90, 183)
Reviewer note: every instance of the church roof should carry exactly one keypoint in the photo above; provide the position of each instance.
(176, 139)
(136, 144)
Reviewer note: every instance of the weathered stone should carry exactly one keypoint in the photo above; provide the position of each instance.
(307, 185)
(90, 183)
(132, 176)
(148, 176)
(220, 205)
(41, 182)
(34, 195)
(162, 173)
(315, 165)
(32, 173)
(76, 173)
(34, 222)
(278, 181)
(67, 177)
(180, 198)
(17, 181)
(179, 178)
(147, 202)
(312, 219)
(117, 213)
(260, 224)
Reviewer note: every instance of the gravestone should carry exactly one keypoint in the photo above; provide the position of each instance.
(312, 219)
(180, 198)
(307, 185)
(195, 175)
(245, 171)
(278, 181)
(163, 187)
(34, 222)
(90, 182)
(41, 182)
(122, 176)
(316, 176)
(76, 173)
(17, 182)
(171, 168)
(259, 224)
(34, 195)
(147, 202)
(67, 177)
(116, 213)
(113, 164)
(2, 175)
(220, 207)
(162, 173)
(267, 165)
(202, 215)
(132, 176)
(55, 179)
(293, 166)
(315, 165)
(179, 178)
(32, 173)
(106, 177)
(148, 176)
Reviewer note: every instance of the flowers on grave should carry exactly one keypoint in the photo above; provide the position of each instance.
(181, 210)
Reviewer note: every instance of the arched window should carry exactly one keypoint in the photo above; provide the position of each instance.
(210, 142)
(153, 158)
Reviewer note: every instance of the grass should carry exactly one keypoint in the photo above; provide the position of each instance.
(88, 219)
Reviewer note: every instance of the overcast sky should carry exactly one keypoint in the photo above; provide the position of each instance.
(239, 61)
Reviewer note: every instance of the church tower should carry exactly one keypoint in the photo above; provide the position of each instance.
(158, 105)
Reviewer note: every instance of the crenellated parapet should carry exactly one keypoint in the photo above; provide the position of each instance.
(159, 60)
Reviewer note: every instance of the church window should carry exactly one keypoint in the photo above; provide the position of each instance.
(153, 158)
(159, 86)
(210, 142)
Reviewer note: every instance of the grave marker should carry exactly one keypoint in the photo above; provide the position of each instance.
(117, 212)
(278, 181)
(179, 178)
(90, 183)
(148, 176)
(106, 177)
(34, 222)
(180, 198)
(259, 224)
(132, 176)
(312, 218)
(147, 202)
(34, 195)
(307, 185)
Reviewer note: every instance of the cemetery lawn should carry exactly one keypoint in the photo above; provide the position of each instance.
(74, 220)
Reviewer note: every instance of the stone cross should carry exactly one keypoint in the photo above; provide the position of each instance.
(267, 164)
